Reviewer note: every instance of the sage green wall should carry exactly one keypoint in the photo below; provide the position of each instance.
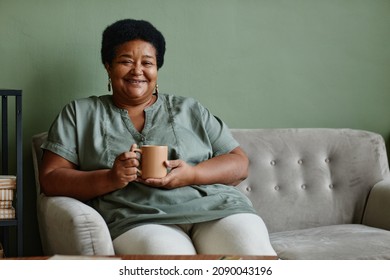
(255, 63)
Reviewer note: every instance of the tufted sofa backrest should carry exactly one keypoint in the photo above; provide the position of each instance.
(302, 178)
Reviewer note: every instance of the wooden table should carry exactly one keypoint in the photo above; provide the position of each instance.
(149, 257)
(195, 257)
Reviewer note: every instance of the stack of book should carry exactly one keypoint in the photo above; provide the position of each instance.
(7, 188)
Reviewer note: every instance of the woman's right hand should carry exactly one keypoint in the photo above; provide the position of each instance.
(124, 169)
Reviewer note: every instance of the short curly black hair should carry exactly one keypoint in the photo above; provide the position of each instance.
(126, 30)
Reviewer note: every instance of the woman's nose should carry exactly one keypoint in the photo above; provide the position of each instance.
(136, 70)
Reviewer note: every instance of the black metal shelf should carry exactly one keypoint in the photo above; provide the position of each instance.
(18, 199)
(6, 223)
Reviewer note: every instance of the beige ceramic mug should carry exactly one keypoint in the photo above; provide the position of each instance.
(152, 161)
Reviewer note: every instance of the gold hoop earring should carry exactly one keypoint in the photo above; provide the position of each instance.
(109, 84)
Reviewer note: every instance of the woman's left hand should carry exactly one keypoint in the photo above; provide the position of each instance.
(181, 174)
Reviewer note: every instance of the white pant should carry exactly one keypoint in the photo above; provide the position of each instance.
(239, 234)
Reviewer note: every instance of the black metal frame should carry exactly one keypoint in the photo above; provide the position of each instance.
(18, 221)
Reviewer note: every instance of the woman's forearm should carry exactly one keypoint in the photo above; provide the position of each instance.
(229, 169)
(60, 177)
(82, 185)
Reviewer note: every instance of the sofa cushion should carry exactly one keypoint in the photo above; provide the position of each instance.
(341, 242)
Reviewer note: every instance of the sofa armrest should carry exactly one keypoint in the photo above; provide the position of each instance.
(377, 212)
(70, 227)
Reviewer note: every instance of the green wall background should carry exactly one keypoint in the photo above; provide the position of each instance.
(255, 63)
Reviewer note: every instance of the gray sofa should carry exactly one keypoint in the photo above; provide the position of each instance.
(323, 194)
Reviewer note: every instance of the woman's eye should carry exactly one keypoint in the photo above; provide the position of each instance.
(125, 62)
(148, 63)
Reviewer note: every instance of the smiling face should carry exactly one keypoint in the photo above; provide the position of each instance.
(133, 73)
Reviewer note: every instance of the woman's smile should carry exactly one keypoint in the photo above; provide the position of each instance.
(136, 82)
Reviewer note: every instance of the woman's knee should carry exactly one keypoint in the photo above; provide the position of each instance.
(244, 234)
(154, 239)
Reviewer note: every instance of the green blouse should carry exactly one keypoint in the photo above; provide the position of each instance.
(92, 132)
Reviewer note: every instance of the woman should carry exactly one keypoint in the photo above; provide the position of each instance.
(89, 156)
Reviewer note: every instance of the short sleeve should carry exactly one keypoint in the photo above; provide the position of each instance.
(62, 134)
(219, 134)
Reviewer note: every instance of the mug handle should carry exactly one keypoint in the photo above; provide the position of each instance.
(136, 150)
